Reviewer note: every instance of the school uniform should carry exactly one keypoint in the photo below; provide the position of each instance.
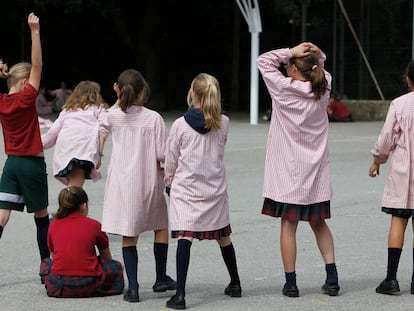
(396, 138)
(75, 135)
(134, 199)
(76, 270)
(194, 169)
(297, 160)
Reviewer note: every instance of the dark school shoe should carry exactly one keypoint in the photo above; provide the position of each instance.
(131, 296)
(168, 284)
(233, 290)
(330, 289)
(290, 290)
(176, 302)
(388, 287)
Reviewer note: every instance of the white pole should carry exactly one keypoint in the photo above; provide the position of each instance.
(254, 80)
(252, 16)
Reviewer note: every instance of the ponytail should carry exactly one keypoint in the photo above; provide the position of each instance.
(312, 71)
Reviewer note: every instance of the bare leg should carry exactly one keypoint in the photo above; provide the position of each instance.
(4, 217)
(225, 241)
(397, 230)
(161, 236)
(324, 240)
(76, 177)
(288, 244)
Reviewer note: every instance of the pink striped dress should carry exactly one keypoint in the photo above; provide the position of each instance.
(194, 168)
(75, 134)
(134, 199)
(297, 160)
(397, 137)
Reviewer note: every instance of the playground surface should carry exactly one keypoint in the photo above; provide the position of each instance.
(360, 232)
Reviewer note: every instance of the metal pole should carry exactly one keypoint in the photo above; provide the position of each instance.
(304, 20)
(361, 50)
(254, 80)
(252, 16)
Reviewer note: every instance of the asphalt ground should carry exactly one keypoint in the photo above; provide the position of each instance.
(360, 232)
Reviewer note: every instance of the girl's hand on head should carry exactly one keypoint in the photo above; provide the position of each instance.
(314, 48)
(301, 50)
(33, 21)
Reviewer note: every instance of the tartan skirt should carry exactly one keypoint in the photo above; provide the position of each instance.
(295, 212)
(398, 212)
(203, 235)
(111, 282)
(87, 166)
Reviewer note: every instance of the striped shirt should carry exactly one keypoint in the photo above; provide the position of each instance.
(194, 167)
(134, 199)
(297, 159)
(397, 137)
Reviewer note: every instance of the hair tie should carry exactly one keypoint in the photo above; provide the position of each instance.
(314, 67)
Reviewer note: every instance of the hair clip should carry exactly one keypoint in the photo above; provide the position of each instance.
(314, 67)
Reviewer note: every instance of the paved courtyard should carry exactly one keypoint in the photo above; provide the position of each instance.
(359, 227)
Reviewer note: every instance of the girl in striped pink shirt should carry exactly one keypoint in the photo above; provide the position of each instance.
(134, 200)
(195, 173)
(297, 184)
(398, 199)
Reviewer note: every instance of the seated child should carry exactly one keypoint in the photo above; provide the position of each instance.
(75, 269)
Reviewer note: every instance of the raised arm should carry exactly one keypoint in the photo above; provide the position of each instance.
(36, 71)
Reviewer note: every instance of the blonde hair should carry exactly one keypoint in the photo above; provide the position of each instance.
(86, 93)
(207, 90)
(17, 72)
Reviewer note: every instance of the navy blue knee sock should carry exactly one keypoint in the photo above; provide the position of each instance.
(130, 256)
(160, 254)
(229, 257)
(42, 225)
(182, 263)
(290, 278)
(394, 255)
(331, 273)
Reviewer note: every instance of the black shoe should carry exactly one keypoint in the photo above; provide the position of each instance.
(233, 290)
(176, 302)
(412, 288)
(331, 289)
(131, 296)
(388, 287)
(290, 290)
(168, 284)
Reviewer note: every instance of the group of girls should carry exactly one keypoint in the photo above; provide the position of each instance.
(188, 162)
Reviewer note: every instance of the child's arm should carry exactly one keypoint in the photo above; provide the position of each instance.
(36, 71)
(105, 253)
(374, 169)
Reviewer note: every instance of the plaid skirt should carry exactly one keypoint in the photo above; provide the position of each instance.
(295, 212)
(111, 282)
(87, 166)
(203, 235)
(399, 212)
